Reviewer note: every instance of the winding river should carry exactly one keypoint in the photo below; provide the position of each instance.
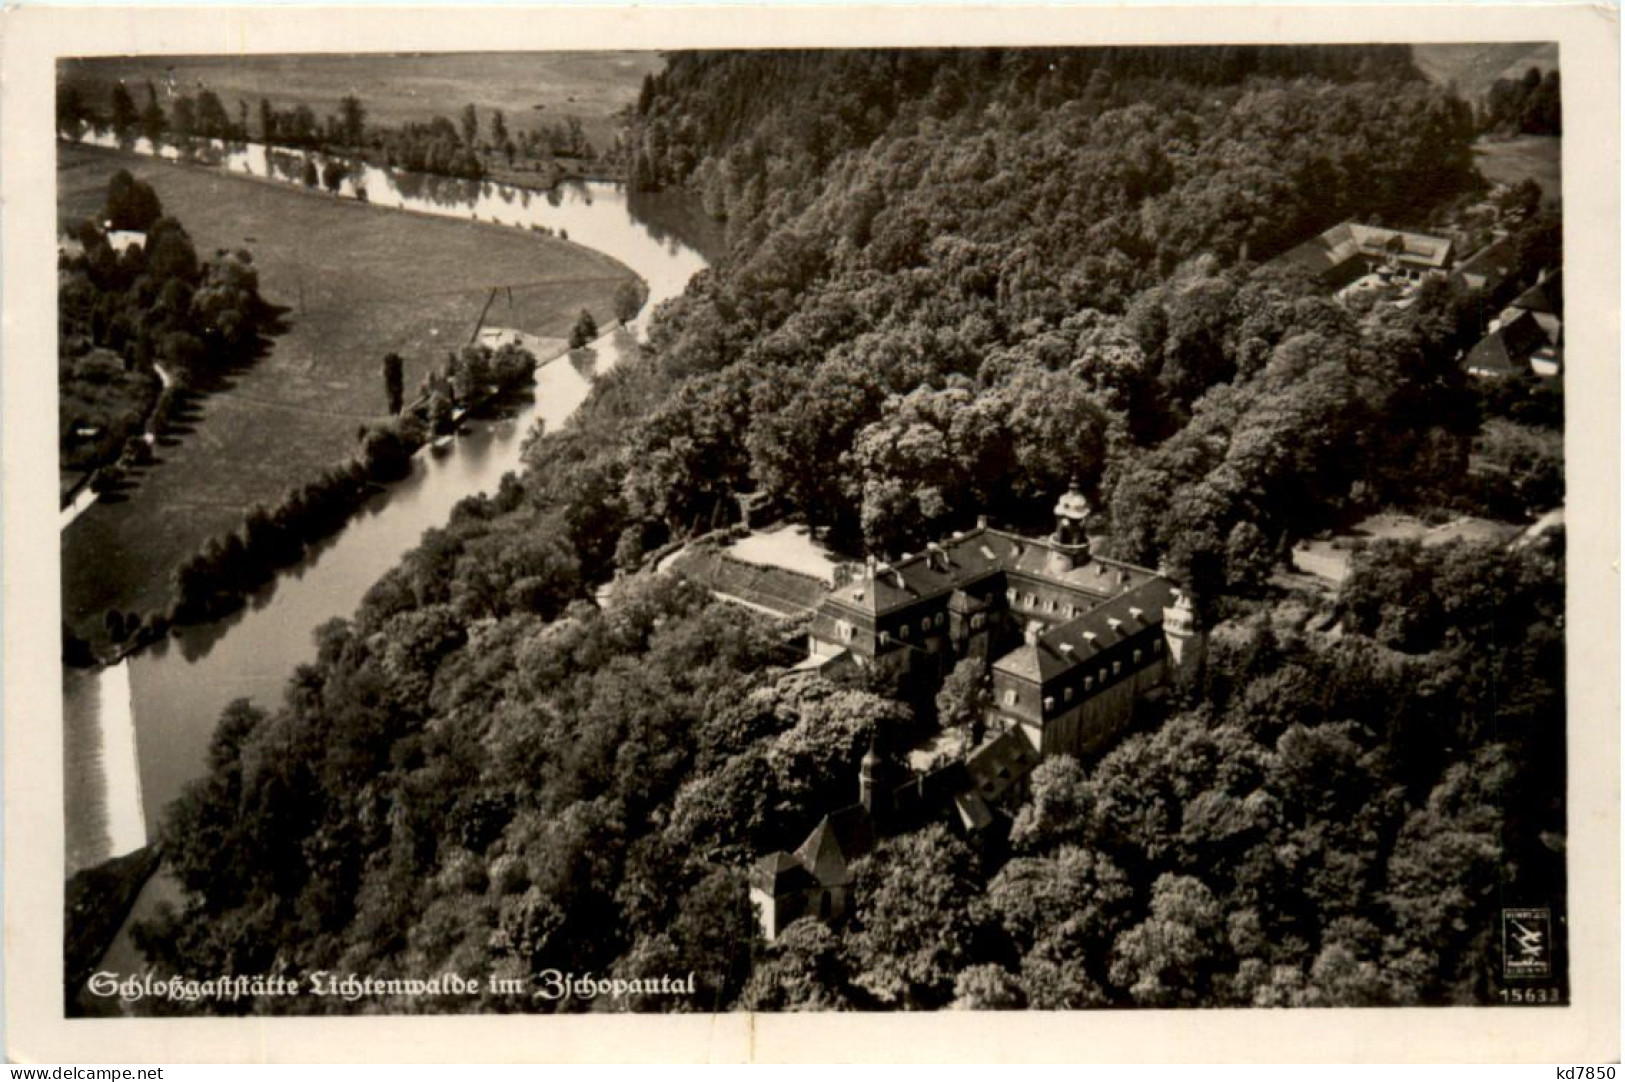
(140, 729)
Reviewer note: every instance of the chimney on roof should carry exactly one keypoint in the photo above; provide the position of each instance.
(869, 568)
(981, 522)
(1030, 634)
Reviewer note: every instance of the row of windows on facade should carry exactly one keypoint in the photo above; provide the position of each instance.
(1031, 601)
(1088, 681)
(846, 631)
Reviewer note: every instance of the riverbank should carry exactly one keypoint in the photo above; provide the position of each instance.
(381, 281)
(180, 684)
(307, 514)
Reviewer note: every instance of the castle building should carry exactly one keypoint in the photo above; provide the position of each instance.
(1071, 641)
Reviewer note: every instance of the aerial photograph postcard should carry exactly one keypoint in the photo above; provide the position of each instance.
(1073, 527)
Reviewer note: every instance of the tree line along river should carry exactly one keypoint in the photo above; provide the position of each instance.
(138, 731)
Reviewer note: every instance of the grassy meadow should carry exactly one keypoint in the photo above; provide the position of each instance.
(357, 282)
(1507, 161)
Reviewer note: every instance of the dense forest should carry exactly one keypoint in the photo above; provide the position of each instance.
(956, 280)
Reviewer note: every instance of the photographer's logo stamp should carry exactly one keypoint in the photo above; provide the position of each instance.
(1526, 942)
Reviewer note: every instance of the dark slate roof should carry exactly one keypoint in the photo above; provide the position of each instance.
(780, 873)
(1507, 350)
(1319, 254)
(834, 843)
(973, 811)
(1492, 263)
(970, 558)
(1331, 255)
(941, 784)
(1101, 628)
(962, 602)
(999, 764)
(854, 830)
(1544, 297)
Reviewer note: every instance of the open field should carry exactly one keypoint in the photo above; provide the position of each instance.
(358, 282)
(532, 89)
(1511, 160)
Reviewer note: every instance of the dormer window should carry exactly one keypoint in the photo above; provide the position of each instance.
(903, 631)
(976, 621)
(1156, 646)
(1049, 703)
(1137, 655)
(1089, 683)
(1117, 667)
(1010, 697)
(1068, 694)
(844, 630)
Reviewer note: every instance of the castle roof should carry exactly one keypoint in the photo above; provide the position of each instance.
(972, 557)
(780, 873)
(1064, 646)
(1000, 763)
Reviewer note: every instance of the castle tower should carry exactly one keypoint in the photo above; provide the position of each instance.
(878, 778)
(1187, 642)
(1069, 547)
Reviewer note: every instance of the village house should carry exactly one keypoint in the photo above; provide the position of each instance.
(1527, 336)
(1071, 642)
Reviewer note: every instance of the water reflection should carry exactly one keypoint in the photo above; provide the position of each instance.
(569, 208)
(177, 693)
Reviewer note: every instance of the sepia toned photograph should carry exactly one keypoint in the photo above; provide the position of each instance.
(1062, 526)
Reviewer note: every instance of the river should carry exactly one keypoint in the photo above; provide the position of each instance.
(176, 689)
